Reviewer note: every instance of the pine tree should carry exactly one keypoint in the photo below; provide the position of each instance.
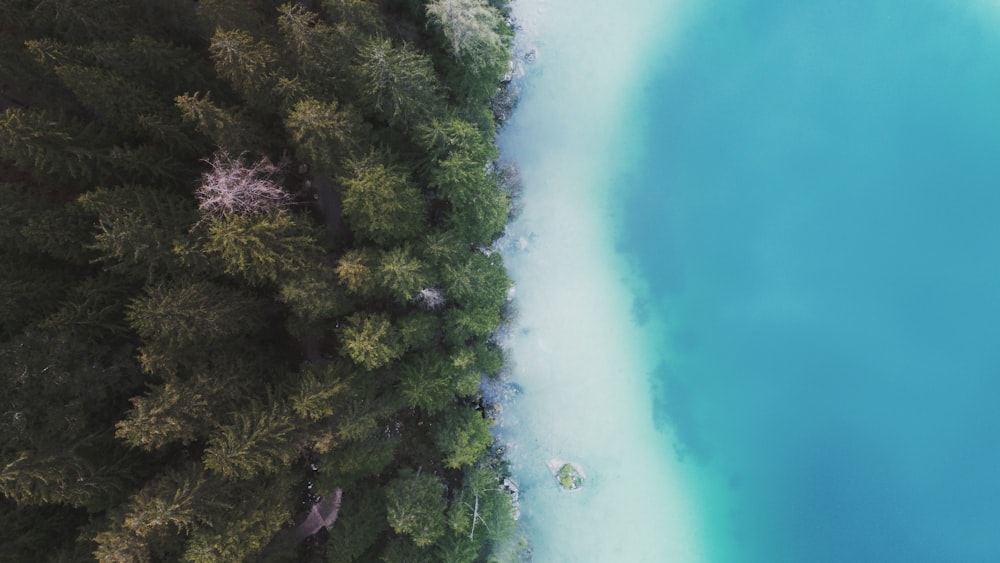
(230, 129)
(443, 135)
(193, 314)
(176, 499)
(401, 274)
(262, 248)
(370, 340)
(317, 387)
(317, 47)
(112, 97)
(259, 441)
(479, 279)
(356, 271)
(249, 65)
(426, 382)
(380, 205)
(172, 412)
(48, 145)
(463, 436)
(415, 506)
(479, 40)
(324, 135)
(138, 227)
(162, 65)
(399, 83)
(35, 477)
(362, 519)
(313, 294)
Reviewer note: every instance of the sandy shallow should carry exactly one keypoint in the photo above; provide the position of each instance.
(576, 351)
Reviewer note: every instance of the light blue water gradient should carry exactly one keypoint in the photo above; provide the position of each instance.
(818, 218)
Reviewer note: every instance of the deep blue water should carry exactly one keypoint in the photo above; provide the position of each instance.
(818, 218)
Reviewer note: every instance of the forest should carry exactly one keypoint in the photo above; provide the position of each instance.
(247, 292)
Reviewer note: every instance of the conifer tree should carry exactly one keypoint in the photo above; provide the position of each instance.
(401, 274)
(138, 227)
(463, 435)
(356, 271)
(171, 412)
(50, 146)
(370, 340)
(112, 97)
(175, 499)
(259, 441)
(194, 313)
(262, 248)
(227, 128)
(319, 51)
(381, 205)
(323, 134)
(477, 36)
(162, 65)
(249, 65)
(399, 83)
(426, 383)
(313, 294)
(415, 506)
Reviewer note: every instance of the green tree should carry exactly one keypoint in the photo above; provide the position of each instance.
(399, 83)
(193, 314)
(318, 49)
(316, 390)
(112, 97)
(262, 248)
(258, 441)
(175, 499)
(370, 340)
(249, 65)
(356, 271)
(362, 519)
(229, 128)
(34, 477)
(313, 294)
(478, 38)
(401, 274)
(481, 507)
(50, 145)
(478, 279)
(172, 412)
(165, 66)
(415, 506)
(441, 136)
(323, 134)
(426, 382)
(138, 227)
(463, 436)
(380, 205)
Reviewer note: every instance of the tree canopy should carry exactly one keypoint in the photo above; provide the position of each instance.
(245, 267)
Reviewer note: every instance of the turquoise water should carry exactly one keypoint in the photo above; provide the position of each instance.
(816, 217)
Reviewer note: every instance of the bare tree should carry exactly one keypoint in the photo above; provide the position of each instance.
(232, 186)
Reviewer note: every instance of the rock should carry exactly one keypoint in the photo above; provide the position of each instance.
(569, 475)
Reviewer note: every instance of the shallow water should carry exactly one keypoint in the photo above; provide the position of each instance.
(760, 280)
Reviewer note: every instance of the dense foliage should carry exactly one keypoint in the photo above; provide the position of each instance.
(245, 268)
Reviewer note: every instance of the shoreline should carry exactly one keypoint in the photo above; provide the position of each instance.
(573, 348)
